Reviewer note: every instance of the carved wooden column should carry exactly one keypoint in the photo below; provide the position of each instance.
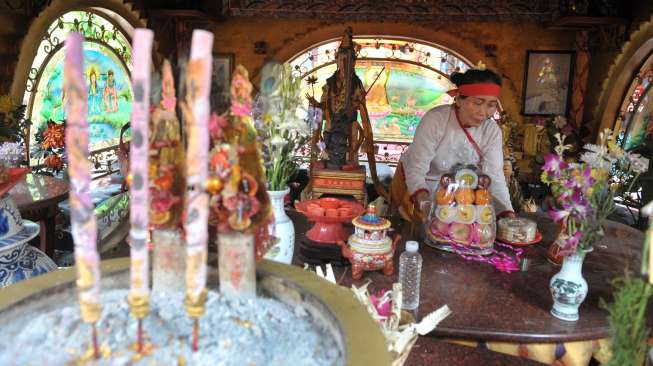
(581, 71)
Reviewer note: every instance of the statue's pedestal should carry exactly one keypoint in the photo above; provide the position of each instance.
(338, 182)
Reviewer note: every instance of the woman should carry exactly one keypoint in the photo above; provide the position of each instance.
(461, 133)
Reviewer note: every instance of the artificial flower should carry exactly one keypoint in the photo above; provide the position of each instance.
(54, 162)
(561, 147)
(278, 141)
(580, 178)
(639, 165)
(584, 192)
(382, 303)
(570, 243)
(220, 161)
(578, 205)
(54, 136)
(216, 124)
(11, 153)
(559, 122)
(597, 157)
(553, 164)
(280, 119)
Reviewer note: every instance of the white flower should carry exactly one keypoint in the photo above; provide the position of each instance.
(597, 157)
(560, 122)
(561, 147)
(592, 160)
(278, 141)
(11, 153)
(639, 164)
(617, 152)
(605, 136)
(294, 128)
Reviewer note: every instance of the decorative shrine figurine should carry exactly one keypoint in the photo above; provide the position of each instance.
(238, 203)
(166, 158)
(370, 248)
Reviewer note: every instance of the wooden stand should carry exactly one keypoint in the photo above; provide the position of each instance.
(337, 182)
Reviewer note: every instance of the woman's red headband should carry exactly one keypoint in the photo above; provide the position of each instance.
(477, 89)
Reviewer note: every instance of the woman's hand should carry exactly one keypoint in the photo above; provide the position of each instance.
(423, 204)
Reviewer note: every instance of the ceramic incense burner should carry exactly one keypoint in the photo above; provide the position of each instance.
(370, 248)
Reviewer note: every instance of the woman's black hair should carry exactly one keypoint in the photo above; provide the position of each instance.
(473, 76)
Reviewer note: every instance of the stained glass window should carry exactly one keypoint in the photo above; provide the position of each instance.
(403, 78)
(107, 64)
(633, 123)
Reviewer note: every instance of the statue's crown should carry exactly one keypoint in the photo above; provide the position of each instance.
(346, 44)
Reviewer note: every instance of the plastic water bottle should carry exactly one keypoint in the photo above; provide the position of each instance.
(410, 270)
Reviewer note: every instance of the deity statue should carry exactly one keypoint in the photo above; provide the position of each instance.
(343, 97)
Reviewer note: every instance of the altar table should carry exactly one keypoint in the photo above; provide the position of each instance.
(509, 312)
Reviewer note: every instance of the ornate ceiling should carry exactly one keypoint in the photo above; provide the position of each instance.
(420, 10)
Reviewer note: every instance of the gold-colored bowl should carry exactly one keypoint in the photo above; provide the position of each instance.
(332, 307)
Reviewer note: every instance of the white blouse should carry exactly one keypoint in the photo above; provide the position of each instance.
(440, 143)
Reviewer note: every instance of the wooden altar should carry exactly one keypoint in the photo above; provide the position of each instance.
(338, 182)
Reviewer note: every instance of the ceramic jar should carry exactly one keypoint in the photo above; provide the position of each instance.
(18, 260)
(370, 248)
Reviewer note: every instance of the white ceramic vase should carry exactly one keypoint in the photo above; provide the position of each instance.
(568, 288)
(18, 260)
(283, 229)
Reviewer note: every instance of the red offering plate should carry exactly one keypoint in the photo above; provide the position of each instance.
(329, 214)
(14, 176)
(537, 239)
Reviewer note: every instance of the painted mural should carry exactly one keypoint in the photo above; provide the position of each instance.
(109, 94)
(398, 95)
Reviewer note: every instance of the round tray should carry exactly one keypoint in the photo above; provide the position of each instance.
(445, 245)
(356, 209)
(537, 239)
(329, 229)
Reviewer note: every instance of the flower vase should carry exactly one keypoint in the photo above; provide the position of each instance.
(568, 287)
(283, 229)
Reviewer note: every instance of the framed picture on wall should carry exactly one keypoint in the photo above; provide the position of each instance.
(547, 83)
(223, 66)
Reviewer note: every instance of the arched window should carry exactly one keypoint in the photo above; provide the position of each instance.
(404, 78)
(634, 122)
(107, 65)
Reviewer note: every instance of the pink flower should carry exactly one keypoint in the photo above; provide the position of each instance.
(553, 164)
(558, 215)
(580, 179)
(381, 303)
(240, 109)
(578, 206)
(570, 244)
(216, 124)
(169, 102)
